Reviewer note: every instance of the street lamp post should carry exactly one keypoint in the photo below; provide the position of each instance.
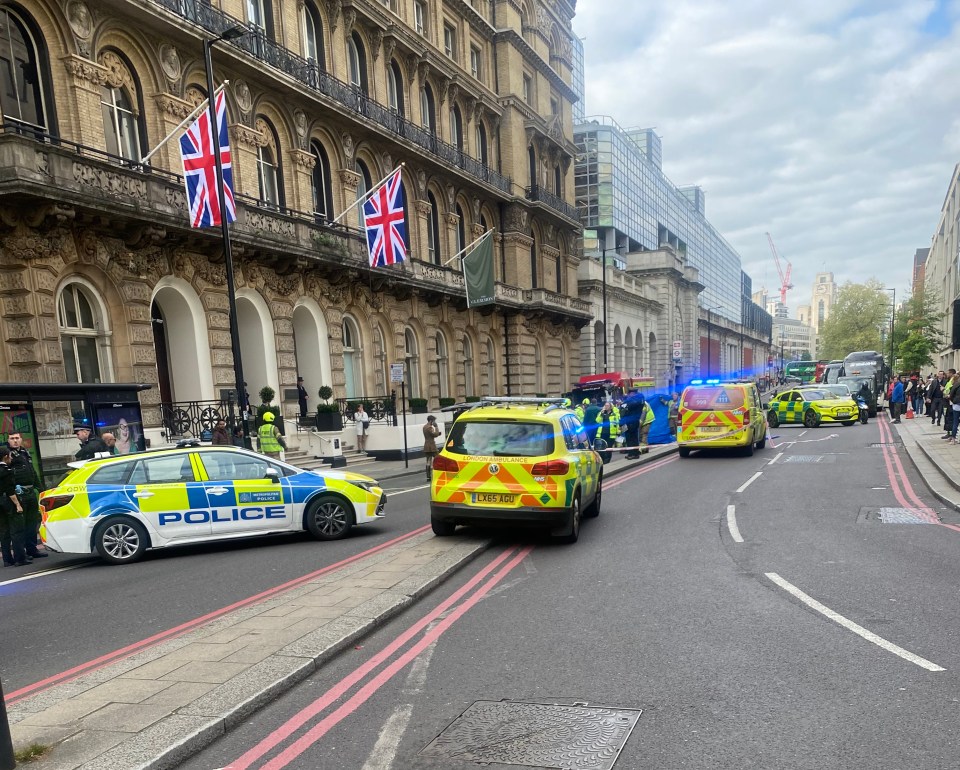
(893, 317)
(229, 34)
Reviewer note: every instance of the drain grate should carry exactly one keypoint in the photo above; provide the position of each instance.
(898, 515)
(537, 735)
(810, 459)
(881, 444)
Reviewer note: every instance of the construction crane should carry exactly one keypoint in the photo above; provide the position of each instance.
(785, 284)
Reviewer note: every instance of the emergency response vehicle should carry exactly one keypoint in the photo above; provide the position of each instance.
(721, 415)
(607, 386)
(121, 506)
(810, 406)
(517, 461)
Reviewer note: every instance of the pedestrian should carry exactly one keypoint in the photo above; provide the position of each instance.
(111, 441)
(646, 420)
(934, 398)
(673, 411)
(909, 394)
(591, 413)
(430, 434)
(221, 436)
(954, 408)
(897, 399)
(631, 412)
(302, 397)
(12, 525)
(90, 445)
(239, 437)
(269, 436)
(361, 421)
(581, 408)
(26, 478)
(947, 411)
(608, 427)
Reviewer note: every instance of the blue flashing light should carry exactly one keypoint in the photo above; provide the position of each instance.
(696, 382)
(713, 381)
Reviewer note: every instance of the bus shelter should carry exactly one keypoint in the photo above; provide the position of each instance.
(46, 414)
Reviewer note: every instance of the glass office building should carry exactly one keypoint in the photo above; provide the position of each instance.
(578, 75)
(620, 186)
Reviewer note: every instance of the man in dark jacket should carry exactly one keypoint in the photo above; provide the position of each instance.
(897, 399)
(25, 476)
(935, 396)
(590, 414)
(12, 528)
(90, 445)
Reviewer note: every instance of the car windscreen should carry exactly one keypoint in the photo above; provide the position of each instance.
(841, 390)
(819, 395)
(505, 438)
(716, 399)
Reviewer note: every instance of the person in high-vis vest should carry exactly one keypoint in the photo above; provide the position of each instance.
(270, 438)
(581, 408)
(609, 422)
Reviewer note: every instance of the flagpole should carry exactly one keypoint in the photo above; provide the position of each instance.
(367, 194)
(190, 118)
(469, 245)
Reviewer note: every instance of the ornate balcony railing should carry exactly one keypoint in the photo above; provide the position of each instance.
(192, 419)
(381, 409)
(307, 71)
(537, 193)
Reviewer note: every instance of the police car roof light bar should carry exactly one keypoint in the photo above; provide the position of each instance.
(521, 400)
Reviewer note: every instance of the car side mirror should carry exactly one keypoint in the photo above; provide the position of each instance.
(599, 445)
(273, 474)
(764, 406)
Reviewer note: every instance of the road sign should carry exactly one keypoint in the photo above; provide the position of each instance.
(396, 372)
(677, 354)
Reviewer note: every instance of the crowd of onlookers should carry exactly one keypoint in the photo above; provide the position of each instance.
(937, 397)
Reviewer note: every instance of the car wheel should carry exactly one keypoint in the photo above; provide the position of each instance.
(748, 450)
(772, 420)
(594, 509)
(442, 528)
(574, 534)
(121, 540)
(762, 442)
(811, 419)
(848, 423)
(329, 518)
(683, 451)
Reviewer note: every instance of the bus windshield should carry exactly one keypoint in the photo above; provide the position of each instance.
(805, 370)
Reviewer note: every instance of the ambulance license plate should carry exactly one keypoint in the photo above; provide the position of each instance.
(711, 429)
(493, 497)
(843, 414)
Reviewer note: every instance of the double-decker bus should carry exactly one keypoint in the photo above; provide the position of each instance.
(805, 370)
(867, 364)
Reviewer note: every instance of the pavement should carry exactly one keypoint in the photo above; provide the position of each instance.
(937, 461)
(158, 705)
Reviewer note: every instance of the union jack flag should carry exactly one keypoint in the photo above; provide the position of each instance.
(200, 169)
(385, 224)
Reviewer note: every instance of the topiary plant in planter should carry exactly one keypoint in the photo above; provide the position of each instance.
(328, 415)
(418, 405)
(447, 401)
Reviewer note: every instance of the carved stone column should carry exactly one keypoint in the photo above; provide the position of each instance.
(419, 241)
(302, 164)
(349, 183)
(244, 144)
(85, 81)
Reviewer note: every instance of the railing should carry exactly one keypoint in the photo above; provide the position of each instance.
(380, 408)
(191, 419)
(308, 72)
(537, 193)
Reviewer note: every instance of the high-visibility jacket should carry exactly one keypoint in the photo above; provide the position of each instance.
(646, 416)
(613, 420)
(267, 435)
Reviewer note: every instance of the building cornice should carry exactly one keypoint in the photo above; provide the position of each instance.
(516, 39)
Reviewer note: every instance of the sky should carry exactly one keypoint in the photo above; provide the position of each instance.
(834, 125)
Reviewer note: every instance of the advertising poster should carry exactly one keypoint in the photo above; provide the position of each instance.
(125, 422)
(18, 418)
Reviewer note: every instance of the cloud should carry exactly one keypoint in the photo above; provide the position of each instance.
(835, 126)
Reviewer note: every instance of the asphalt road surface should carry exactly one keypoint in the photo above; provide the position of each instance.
(795, 609)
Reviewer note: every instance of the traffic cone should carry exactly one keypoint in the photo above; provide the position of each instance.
(909, 414)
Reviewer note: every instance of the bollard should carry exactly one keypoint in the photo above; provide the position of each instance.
(7, 761)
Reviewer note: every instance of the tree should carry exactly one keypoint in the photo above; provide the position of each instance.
(917, 332)
(860, 312)
(805, 356)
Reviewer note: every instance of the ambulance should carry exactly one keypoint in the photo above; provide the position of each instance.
(721, 415)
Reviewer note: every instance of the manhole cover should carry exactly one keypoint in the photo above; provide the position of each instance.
(810, 459)
(882, 444)
(899, 515)
(537, 735)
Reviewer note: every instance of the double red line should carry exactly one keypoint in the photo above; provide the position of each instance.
(395, 658)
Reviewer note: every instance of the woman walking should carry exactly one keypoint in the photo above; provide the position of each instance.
(430, 433)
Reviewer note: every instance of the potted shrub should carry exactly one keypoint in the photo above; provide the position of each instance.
(472, 399)
(266, 398)
(447, 401)
(418, 405)
(328, 415)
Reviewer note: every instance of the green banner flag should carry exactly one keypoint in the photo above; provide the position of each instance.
(478, 272)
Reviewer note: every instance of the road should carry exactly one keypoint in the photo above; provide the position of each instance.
(794, 609)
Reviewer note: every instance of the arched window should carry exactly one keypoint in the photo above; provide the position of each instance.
(313, 36)
(617, 349)
(352, 358)
(631, 354)
(260, 16)
(365, 183)
(322, 187)
(357, 61)
(379, 361)
(24, 81)
(492, 384)
(121, 107)
(411, 354)
(537, 368)
(443, 366)
(433, 231)
(395, 88)
(561, 261)
(652, 353)
(461, 230)
(456, 127)
(427, 116)
(598, 339)
(482, 143)
(469, 373)
(269, 175)
(534, 281)
(557, 181)
(532, 162)
(83, 336)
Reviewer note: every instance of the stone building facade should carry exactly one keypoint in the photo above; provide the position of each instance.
(102, 279)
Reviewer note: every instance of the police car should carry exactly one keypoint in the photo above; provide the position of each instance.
(517, 461)
(120, 506)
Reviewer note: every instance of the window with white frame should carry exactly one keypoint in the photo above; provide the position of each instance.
(257, 14)
(380, 361)
(395, 88)
(433, 231)
(312, 35)
(491, 367)
(352, 357)
(450, 41)
(443, 366)
(469, 374)
(411, 354)
(475, 68)
(81, 334)
(121, 126)
(528, 89)
(23, 80)
(420, 17)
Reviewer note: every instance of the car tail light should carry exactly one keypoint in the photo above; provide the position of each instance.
(57, 501)
(551, 468)
(441, 463)
(746, 419)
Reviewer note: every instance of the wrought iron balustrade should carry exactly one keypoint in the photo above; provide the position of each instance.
(537, 193)
(307, 71)
(190, 419)
(382, 409)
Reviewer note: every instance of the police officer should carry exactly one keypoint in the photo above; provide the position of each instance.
(90, 445)
(270, 438)
(25, 477)
(12, 534)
